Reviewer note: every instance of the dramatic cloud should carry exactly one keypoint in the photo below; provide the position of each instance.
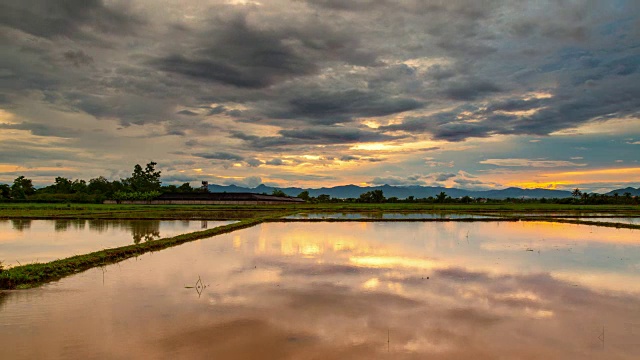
(81, 19)
(313, 135)
(220, 156)
(78, 58)
(43, 129)
(275, 162)
(361, 88)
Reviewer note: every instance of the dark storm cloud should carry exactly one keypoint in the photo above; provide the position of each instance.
(589, 93)
(349, 158)
(253, 162)
(444, 177)
(238, 54)
(442, 126)
(12, 152)
(66, 18)
(514, 105)
(176, 132)
(313, 136)
(220, 156)
(470, 89)
(217, 110)
(466, 10)
(187, 112)
(43, 130)
(330, 107)
(275, 162)
(128, 109)
(78, 58)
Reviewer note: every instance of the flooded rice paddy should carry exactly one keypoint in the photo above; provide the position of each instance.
(386, 216)
(410, 290)
(25, 241)
(618, 220)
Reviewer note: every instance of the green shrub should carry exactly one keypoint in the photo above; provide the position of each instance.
(135, 195)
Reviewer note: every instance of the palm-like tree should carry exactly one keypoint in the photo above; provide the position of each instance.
(576, 193)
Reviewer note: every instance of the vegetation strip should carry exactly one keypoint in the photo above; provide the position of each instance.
(32, 275)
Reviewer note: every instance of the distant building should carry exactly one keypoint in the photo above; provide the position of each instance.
(204, 198)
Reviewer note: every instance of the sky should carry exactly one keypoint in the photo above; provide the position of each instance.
(309, 93)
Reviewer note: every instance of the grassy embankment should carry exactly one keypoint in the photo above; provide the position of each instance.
(230, 212)
(31, 275)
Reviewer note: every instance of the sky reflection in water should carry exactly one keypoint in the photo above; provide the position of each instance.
(24, 241)
(348, 290)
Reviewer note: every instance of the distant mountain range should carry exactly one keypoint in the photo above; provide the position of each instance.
(402, 192)
(621, 192)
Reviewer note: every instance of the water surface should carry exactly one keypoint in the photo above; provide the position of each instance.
(24, 241)
(619, 220)
(451, 290)
(385, 215)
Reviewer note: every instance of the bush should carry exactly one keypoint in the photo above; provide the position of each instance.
(135, 195)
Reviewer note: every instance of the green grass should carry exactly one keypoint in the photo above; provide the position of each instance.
(235, 212)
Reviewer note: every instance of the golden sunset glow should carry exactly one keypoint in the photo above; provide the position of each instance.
(554, 180)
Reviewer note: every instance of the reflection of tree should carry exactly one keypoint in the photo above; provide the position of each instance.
(79, 224)
(100, 225)
(146, 230)
(3, 298)
(65, 224)
(61, 225)
(21, 224)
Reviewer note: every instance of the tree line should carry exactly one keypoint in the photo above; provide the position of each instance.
(377, 197)
(143, 184)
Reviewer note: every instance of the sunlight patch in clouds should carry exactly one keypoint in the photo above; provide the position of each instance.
(530, 163)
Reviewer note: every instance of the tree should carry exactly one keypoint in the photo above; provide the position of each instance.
(441, 197)
(185, 188)
(576, 193)
(377, 196)
(100, 185)
(21, 188)
(304, 195)
(79, 186)
(144, 180)
(62, 185)
(278, 192)
(5, 191)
